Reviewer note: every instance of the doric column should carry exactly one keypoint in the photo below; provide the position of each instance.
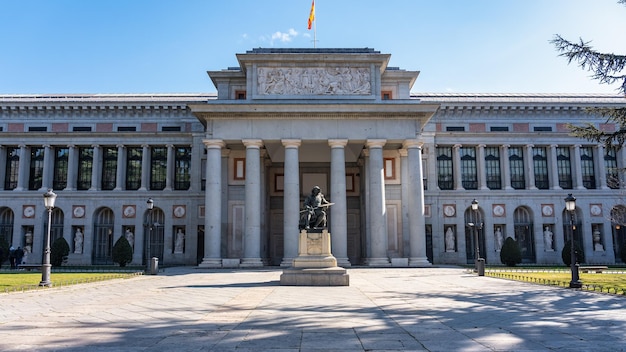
(378, 211)
(456, 163)
(96, 172)
(145, 167)
(339, 211)
(23, 169)
(417, 227)
(252, 235)
(576, 166)
(530, 167)
(72, 171)
(505, 167)
(169, 171)
(121, 168)
(599, 165)
(291, 200)
(553, 173)
(213, 205)
(48, 166)
(480, 167)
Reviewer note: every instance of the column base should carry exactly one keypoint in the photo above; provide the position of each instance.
(343, 262)
(287, 262)
(211, 263)
(251, 263)
(421, 262)
(379, 262)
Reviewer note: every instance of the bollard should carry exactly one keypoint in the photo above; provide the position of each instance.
(154, 266)
(481, 266)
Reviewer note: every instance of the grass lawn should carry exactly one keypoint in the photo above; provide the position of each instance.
(615, 280)
(17, 281)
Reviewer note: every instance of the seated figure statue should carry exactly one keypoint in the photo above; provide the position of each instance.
(314, 215)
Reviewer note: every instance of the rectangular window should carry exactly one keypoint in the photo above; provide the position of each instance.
(239, 169)
(127, 129)
(158, 168)
(182, 168)
(37, 129)
(240, 94)
(133, 168)
(586, 166)
(564, 167)
(36, 168)
(386, 95)
(492, 167)
(389, 168)
(170, 128)
(12, 168)
(542, 129)
(445, 176)
(81, 129)
(85, 168)
(61, 157)
(540, 166)
(455, 128)
(469, 176)
(516, 167)
(109, 168)
(610, 164)
(499, 129)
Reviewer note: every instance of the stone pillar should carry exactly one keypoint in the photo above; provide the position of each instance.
(456, 164)
(480, 168)
(72, 170)
(252, 235)
(213, 205)
(48, 167)
(169, 172)
(96, 171)
(291, 200)
(339, 211)
(553, 169)
(417, 224)
(121, 168)
(505, 167)
(599, 165)
(576, 166)
(145, 167)
(23, 169)
(3, 163)
(378, 212)
(530, 167)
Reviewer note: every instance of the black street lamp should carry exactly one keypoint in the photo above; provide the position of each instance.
(48, 201)
(479, 262)
(570, 206)
(150, 204)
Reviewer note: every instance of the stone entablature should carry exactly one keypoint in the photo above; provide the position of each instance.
(335, 80)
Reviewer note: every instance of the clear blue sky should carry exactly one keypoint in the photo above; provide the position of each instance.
(159, 46)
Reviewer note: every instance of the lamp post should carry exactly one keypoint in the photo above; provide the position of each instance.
(48, 201)
(150, 204)
(570, 206)
(479, 262)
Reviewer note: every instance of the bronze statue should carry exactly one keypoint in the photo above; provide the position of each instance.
(314, 214)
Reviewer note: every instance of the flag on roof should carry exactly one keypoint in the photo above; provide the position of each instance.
(312, 14)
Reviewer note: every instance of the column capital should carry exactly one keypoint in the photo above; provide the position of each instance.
(482, 145)
(530, 145)
(412, 143)
(457, 146)
(375, 143)
(403, 152)
(291, 143)
(213, 143)
(120, 146)
(252, 143)
(337, 143)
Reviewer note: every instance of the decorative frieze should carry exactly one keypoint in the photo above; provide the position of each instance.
(314, 81)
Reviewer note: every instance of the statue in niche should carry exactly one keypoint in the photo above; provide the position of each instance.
(130, 237)
(450, 241)
(314, 214)
(548, 239)
(498, 238)
(597, 244)
(179, 242)
(78, 241)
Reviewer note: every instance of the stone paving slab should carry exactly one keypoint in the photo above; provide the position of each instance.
(386, 309)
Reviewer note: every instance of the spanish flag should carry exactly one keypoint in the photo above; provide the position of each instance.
(312, 14)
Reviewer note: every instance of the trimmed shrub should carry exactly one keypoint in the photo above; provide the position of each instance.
(122, 251)
(59, 251)
(510, 254)
(565, 253)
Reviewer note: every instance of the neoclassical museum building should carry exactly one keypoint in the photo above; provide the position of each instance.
(227, 172)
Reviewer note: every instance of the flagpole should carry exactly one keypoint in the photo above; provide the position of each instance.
(315, 33)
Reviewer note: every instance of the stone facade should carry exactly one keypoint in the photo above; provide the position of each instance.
(228, 171)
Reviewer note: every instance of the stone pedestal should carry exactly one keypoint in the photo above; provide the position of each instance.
(315, 264)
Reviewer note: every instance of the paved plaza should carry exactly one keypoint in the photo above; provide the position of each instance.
(190, 309)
